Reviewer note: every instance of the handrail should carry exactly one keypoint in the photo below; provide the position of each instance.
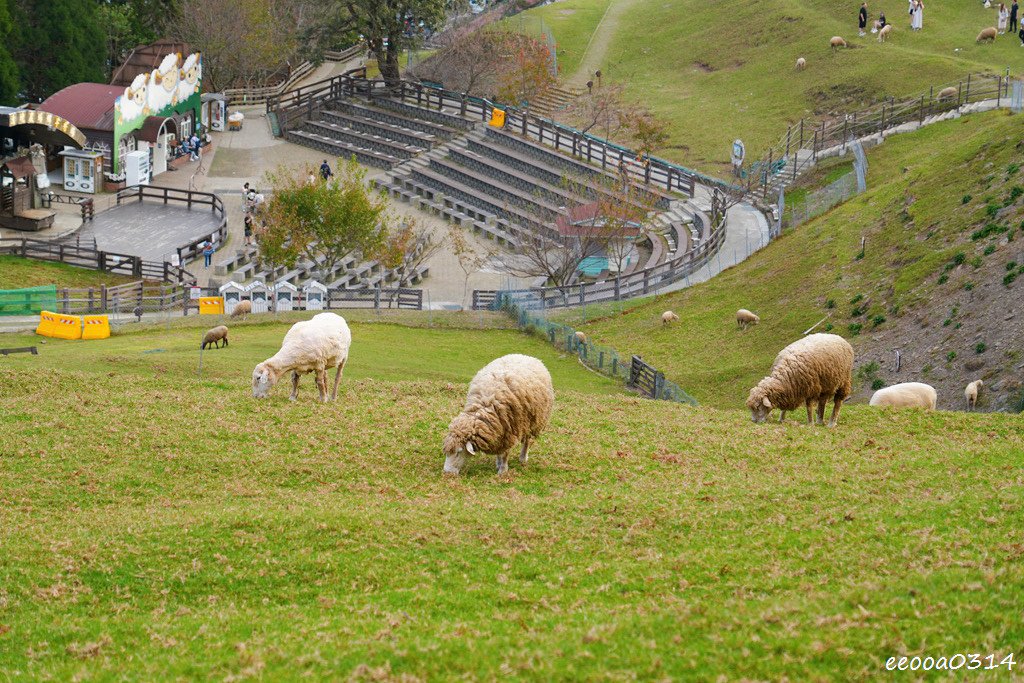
(261, 94)
(188, 197)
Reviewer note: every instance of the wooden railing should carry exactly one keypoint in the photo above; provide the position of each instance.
(261, 94)
(188, 198)
(95, 259)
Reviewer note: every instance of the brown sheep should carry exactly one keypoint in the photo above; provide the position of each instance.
(213, 336)
(988, 34)
(669, 317)
(581, 338)
(242, 308)
(947, 94)
(745, 318)
(837, 42)
(818, 367)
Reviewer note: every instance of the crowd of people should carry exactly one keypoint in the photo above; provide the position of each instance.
(1007, 18)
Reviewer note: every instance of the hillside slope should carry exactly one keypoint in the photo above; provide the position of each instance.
(928, 194)
(160, 527)
(732, 62)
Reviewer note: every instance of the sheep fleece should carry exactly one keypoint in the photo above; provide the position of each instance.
(905, 395)
(509, 399)
(817, 365)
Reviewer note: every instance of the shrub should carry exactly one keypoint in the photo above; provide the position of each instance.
(830, 303)
(828, 327)
(877, 320)
(1015, 192)
(951, 356)
(855, 328)
(966, 198)
(1009, 278)
(980, 347)
(968, 286)
(991, 210)
(1011, 265)
(859, 311)
(988, 250)
(943, 279)
(947, 322)
(1012, 168)
(877, 384)
(989, 229)
(959, 258)
(958, 326)
(856, 299)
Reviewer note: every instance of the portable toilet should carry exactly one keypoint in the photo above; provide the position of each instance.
(260, 296)
(284, 296)
(316, 295)
(232, 293)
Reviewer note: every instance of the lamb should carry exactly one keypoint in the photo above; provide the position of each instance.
(988, 34)
(745, 318)
(213, 336)
(669, 317)
(905, 395)
(884, 32)
(837, 42)
(815, 368)
(801, 64)
(947, 94)
(309, 346)
(971, 393)
(581, 338)
(509, 402)
(242, 308)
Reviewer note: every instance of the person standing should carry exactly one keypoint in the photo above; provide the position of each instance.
(207, 253)
(910, 12)
(248, 229)
(325, 171)
(919, 15)
(881, 20)
(1002, 18)
(862, 18)
(1014, 11)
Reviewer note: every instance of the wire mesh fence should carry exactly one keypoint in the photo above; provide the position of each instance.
(818, 202)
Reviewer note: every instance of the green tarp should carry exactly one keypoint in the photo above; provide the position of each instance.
(28, 301)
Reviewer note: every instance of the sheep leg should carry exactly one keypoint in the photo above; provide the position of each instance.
(321, 384)
(810, 420)
(782, 416)
(822, 404)
(295, 386)
(502, 463)
(524, 454)
(337, 380)
(835, 411)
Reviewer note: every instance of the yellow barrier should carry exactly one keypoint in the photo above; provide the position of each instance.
(497, 118)
(60, 326)
(96, 327)
(211, 305)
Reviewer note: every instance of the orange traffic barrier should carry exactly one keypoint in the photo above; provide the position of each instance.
(95, 327)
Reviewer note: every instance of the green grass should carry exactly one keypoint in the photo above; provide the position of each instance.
(160, 527)
(17, 272)
(572, 22)
(915, 222)
(732, 62)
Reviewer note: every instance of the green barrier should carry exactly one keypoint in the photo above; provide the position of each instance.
(28, 301)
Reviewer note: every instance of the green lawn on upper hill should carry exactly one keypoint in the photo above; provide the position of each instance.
(571, 22)
(161, 527)
(732, 62)
(915, 220)
(17, 272)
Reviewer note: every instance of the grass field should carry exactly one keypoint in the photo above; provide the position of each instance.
(17, 272)
(915, 220)
(732, 62)
(572, 22)
(161, 527)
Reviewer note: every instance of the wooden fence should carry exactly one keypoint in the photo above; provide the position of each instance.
(645, 378)
(262, 94)
(804, 142)
(95, 259)
(190, 199)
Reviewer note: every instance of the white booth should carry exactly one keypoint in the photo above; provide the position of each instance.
(83, 171)
(315, 294)
(284, 296)
(233, 293)
(214, 111)
(259, 293)
(136, 168)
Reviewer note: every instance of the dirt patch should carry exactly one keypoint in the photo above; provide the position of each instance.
(703, 67)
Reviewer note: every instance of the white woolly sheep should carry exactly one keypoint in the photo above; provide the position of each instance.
(310, 346)
(509, 402)
(837, 42)
(243, 307)
(884, 32)
(213, 336)
(745, 318)
(971, 393)
(817, 368)
(947, 94)
(669, 317)
(905, 395)
(581, 338)
(988, 34)
(801, 64)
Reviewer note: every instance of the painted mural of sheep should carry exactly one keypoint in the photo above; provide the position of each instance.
(242, 308)
(213, 336)
(884, 32)
(163, 85)
(905, 395)
(818, 367)
(669, 317)
(310, 346)
(189, 76)
(837, 42)
(971, 393)
(745, 319)
(135, 101)
(509, 402)
(801, 64)
(988, 34)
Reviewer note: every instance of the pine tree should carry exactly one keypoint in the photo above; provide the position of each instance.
(57, 43)
(9, 80)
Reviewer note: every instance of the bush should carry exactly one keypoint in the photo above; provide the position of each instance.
(857, 298)
(980, 347)
(989, 229)
(1012, 168)
(966, 198)
(828, 327)
(1011, 265)
(951, 356)
(943, 279)
(857, 312)
(877, 384)
(830, 303)
(947, 322)
(959, 258)
(855, 328)
(877, 320)
(968, 286)
(1009, 278)
(958, 326)
(988, 250)
(991, 210)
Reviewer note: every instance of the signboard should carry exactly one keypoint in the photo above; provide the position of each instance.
(738, 152)
(195, 293)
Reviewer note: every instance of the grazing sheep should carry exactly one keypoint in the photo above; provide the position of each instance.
(884, 32)
(947, 94)
(669, 317)
(509, 402)
(213, 336)
(988, 34)
(309, 346)
(242, 308)
(971, 393)
(801, 64)
(906, 395)
(581, 338)
(745, 318)
(837, 42)
(818, 367)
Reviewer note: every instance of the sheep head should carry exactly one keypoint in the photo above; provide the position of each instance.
(458, 442)
(264, 377)
(759, 403)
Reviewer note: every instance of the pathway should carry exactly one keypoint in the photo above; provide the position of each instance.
(597, 48)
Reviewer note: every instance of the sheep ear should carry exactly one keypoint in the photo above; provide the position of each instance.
(766, 403)
(470, 448)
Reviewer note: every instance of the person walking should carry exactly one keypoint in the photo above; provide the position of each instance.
(1002, 18)
(862, 18)
(248, 229)
(207, 253)
(325, 170)
(1014, 11)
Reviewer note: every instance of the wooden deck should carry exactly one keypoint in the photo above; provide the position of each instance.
(150, 229)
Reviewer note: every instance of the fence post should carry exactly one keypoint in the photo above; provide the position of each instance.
(967, 97)
(376, 298)
(815, 153)
(922, 110)
(999, 90)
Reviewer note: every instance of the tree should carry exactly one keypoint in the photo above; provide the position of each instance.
(327, 221)
(10, 81)
(57, 43)
(468, 64)
(604, 108)
(527, 73)
(469, 258)
(407, 248)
